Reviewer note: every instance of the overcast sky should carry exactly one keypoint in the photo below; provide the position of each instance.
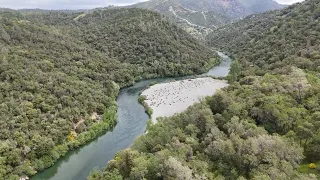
(79, 4)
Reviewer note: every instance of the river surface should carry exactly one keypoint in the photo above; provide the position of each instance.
(223, 69)
(78, 164)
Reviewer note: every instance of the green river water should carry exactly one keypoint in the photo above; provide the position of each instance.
(132, 119)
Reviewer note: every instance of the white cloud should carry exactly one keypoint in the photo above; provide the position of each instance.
(288, 1)
(78, 4)
(63, 4)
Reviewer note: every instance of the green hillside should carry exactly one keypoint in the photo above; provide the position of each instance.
(265, 125)
(274, 40)
(60, 74)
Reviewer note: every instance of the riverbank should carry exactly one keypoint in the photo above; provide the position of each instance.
(167, 99)
(131, 123)
(107, 122)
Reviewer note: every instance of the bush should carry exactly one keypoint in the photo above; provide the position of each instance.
(141, 99)
(312, 166)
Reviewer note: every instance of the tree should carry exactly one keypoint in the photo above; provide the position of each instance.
(305, 132)
(43, 145)
(308, 48)
(312, 149)
(175, 170)
(124, 162)
(235, 71)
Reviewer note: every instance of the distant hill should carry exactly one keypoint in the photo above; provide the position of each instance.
(57, 70)
(201, 16)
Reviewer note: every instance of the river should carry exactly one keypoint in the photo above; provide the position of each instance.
(77, 165)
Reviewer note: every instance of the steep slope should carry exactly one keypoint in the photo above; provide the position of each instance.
(263, 126)
(154, 45)
(274, 40)
(277, 45)
(59, 77)
(256, 6)
(204, 15)
(147, 40)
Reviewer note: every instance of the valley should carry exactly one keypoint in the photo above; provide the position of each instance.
(132, 122)
(56, 73)
(264, 125)
(163, 89)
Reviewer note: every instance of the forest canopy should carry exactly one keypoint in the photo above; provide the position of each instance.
(265, 125)
(60, 74)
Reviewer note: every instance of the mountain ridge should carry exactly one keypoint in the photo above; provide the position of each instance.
(201, 17)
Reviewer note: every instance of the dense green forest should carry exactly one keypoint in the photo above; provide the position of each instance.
(274, 41)
(265, 125)
(155, 46)
(60, 74)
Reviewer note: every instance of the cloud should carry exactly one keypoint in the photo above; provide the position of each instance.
(63, 4)
(52, 4)
(77, 4)
(124, 2)
(288, 1)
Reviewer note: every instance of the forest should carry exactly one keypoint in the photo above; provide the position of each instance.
(60, 74)
(265, 125)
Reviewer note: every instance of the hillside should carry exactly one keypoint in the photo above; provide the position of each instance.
(60, 74)
(274, 40)
(265, 125)
(201, 17)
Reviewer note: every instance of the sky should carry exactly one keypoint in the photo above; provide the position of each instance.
(79, 4)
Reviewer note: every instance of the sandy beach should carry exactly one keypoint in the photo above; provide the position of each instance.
(167, 99)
